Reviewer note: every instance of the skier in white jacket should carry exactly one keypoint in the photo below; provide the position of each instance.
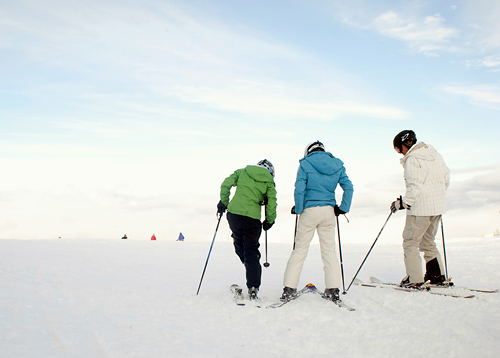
(427, 177)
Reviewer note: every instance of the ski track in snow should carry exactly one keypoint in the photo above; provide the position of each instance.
(128, 298)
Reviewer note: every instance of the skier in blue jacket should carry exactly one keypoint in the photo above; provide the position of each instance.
(317, 178)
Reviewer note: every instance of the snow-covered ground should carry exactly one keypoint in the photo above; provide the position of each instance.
(130, 298)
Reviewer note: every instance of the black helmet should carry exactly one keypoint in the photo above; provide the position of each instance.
(406, 137)
(314, 147)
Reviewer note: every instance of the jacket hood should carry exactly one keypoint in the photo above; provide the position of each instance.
(258, 173)
(421, 151)
(324, 162)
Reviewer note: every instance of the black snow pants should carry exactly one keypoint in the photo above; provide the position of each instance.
(246, 234)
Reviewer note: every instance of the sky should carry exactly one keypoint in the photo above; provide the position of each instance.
(126, 116)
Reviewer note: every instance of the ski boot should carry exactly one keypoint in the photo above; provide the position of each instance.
(433, 273)
(332, 294)
(405, 283)
(252, 292)
(288, 294)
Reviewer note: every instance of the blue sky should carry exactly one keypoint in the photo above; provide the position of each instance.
(125, 116)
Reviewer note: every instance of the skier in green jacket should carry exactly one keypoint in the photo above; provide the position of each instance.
(254, 187)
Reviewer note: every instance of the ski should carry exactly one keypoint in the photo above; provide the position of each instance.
(396, 287)
(463, 288)
(339, 303)
(238, 294)
(310, 288)
(452, 286)
(445, 284)
(255, 302)
(239, 297)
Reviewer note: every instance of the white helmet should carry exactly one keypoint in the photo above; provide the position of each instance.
(314, 146)
(264, 163)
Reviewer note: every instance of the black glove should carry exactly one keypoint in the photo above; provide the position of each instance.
(293, 210)
(398, 204)
(264, 202)
(338, 211)
(266, 226)
(221, 208)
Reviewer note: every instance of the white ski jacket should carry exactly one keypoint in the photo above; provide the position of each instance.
(427, 177)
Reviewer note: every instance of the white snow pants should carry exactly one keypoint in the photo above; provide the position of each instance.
(418, 235)
(322, 219)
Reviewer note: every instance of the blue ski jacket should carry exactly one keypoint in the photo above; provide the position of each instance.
(317, 177)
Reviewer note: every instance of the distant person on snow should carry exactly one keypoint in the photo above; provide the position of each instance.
(124, 237)
(317, 178)
(427, 177)
(153, 238)
(254, 187)
(181, 237)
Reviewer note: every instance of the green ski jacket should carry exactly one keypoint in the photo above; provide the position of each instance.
(251, 183)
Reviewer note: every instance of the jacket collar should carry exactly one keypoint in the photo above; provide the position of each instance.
(411, 151)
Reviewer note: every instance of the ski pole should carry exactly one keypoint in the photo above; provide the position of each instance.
(295, 232)
(209, 252)
(340, 253)
(266, 264)
(444, 249)
(369, 251)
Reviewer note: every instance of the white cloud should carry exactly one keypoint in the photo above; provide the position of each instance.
(166, 55)
(482, 16)
(491, 62)
(472, 28)
(16, 149)
(284, 103)
(479, 191)
(476, 94)
(148, 44)
(425, 35)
